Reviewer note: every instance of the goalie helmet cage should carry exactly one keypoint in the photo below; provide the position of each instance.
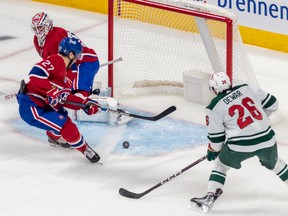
(159, 40)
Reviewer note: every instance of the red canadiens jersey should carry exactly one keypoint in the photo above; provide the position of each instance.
(51, 43)
(49, 72)
(53, 40)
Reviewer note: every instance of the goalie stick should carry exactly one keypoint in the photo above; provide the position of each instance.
(132, 195)
(112, 62)
(121, 112)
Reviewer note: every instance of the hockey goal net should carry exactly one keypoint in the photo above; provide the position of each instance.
(159, 40)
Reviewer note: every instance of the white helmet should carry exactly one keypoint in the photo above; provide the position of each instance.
(219, 82)
(41, 25)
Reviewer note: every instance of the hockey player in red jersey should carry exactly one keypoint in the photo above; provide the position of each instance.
(238, 129)
(46, 41)
(41, 100)
(81, 74)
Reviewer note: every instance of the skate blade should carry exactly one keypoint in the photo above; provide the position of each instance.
(199, 207)
(58, 146)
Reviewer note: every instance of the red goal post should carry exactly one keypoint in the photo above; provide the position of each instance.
(159, 40)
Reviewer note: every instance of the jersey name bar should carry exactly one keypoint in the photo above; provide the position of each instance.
(232, 97)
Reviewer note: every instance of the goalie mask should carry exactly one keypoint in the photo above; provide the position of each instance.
(219, 82)
(41, 25)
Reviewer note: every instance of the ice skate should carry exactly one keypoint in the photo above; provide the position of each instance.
(60, 142)
(91, 155)
(204, 204)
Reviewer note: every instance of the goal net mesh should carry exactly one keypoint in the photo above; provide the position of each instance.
(159, 40)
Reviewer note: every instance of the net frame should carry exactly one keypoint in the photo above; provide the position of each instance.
(196, 11)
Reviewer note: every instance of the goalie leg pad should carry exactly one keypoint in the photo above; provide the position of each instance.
(116, 119)
(103, 117)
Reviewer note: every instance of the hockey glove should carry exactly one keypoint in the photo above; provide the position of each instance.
(92, 107)
(63, 95)
(55, 96)
(211, 153)
(52, 96)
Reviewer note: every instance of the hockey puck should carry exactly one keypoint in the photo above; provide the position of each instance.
(126, 144)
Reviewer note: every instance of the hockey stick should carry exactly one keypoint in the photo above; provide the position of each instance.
(4, 97)
(12, 95)
(121, 112)
(132, 195)
(111, 62)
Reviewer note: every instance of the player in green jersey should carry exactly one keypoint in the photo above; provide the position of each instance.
(238, 129)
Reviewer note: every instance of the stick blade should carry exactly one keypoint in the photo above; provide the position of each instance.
(165, 112)
(150, 118)
(128, 194)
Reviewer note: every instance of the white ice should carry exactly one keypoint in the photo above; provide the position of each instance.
(38, 180)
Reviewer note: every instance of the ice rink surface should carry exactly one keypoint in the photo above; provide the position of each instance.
(36, 179)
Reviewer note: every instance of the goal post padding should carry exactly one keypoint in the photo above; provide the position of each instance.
(160, 40)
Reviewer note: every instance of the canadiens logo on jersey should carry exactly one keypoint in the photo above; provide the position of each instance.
(207, 120)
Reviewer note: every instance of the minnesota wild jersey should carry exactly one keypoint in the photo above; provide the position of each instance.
(237, 117)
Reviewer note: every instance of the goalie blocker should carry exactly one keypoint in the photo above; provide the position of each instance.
(103, 117)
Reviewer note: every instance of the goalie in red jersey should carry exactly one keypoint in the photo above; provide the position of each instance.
(46, 41)
(41, 99)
